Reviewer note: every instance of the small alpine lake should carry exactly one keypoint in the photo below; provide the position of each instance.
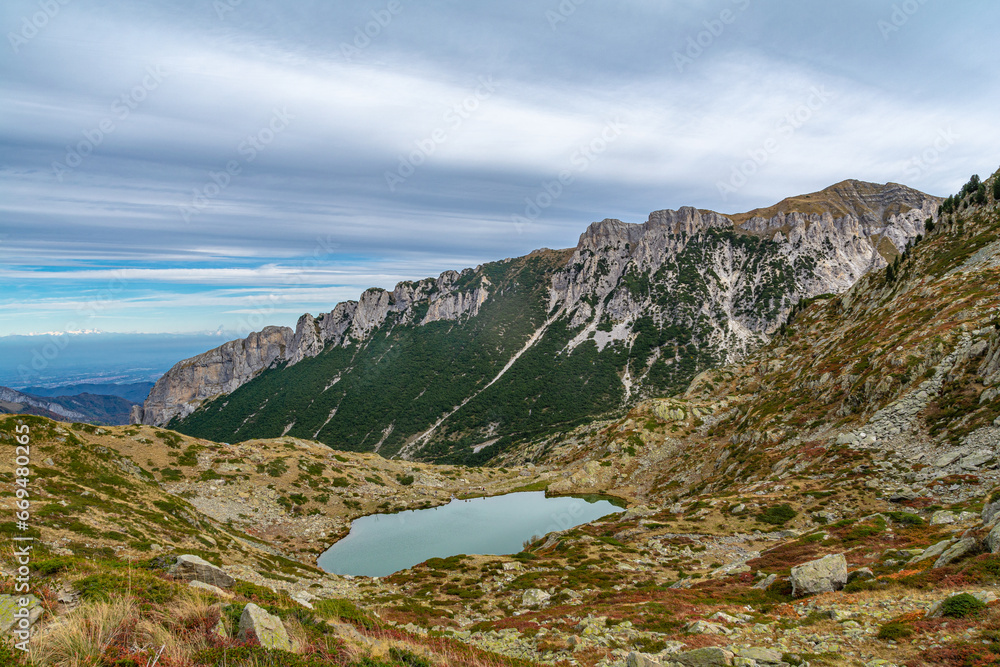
(380, 544)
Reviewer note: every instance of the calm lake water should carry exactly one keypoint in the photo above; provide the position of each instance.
(381, 544)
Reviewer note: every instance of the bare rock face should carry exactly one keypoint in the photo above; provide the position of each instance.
(218, 371)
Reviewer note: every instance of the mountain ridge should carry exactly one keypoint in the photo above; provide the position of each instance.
(659, 300)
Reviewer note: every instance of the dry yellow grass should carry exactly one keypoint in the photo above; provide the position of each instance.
(84, 633)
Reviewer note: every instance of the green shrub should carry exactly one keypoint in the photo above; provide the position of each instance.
(52, 566)
(343, 610)
(961, 606)
(277, 468)
(253, 656)
(894, 630)
(339, 482)
(408, 658)
(905, 518)
(146, 587)
(260, 594)
(778, 515)
(8, 655)
(405, 480)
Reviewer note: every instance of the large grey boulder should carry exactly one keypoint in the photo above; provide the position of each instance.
(195, 568)
(255, 623)
(825, 575)
(534, 597)
(958, 550)
(210, 589)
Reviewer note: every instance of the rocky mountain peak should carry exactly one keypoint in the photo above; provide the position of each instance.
(872, 203)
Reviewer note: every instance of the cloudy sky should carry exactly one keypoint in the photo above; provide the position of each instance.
(181, 166)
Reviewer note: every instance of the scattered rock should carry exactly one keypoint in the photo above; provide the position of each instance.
(704, 657)
(762, 656)
(723, 617)
(765, 582)
(195, 568)
(636, 659)
(932, 551)
(947, 459)
(706, 628)
(534, 597)
(942, 517)
(977, 460)
(635, 513)
(825, 575)
(209, 588)
(962, 548)
(267, 629)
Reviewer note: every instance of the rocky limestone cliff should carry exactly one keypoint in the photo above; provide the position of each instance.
(215, 372)
(719, 284)
(845, 231)
(222, 370)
